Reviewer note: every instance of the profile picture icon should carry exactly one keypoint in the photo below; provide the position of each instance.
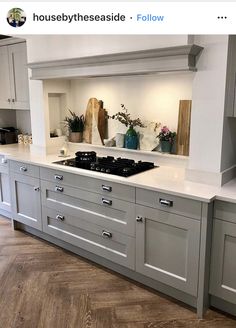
(16, 17)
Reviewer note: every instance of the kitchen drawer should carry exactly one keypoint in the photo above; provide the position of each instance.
(96, 239)
(173, 204)
(225, 211)
(102, 187)
(24, 168)
(114, 213)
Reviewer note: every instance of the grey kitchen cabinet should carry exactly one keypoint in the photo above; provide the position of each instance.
(223, 263)
(94, 238)
(102, 187)
(5, 195)
(26, 199)
(230, 90)
(167, 248)
(90, 206)
(14, 88)
(89, 216)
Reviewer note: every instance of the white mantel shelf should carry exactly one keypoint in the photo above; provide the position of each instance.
(178, 58)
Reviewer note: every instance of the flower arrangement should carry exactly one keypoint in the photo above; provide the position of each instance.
(124, 118)
(75, 123)
(166, 135)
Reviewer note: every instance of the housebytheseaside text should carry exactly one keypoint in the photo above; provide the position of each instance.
(79, 18)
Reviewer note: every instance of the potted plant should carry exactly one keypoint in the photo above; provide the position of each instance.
(75, 124)
(166, 138)
(131, 137)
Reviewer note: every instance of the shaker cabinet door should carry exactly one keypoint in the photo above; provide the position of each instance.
(5, 89)
(18, 76)
(26, 200)
(223, 261)
(167, 248)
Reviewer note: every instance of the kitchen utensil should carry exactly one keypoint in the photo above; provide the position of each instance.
(95, 115)
(183, 131)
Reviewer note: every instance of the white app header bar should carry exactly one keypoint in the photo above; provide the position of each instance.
(20, 18)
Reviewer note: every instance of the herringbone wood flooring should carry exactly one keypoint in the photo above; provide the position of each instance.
(43, 286)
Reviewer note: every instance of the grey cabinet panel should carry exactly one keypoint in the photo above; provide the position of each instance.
(5, 195)
(230, 90)
(24, 168)
(94, 238)
(113, 213)
(165, 202)
(26, 200)
(5, 91)
(167, 248)
(225, 211)
(19, 76)
(14, 88)
(223, 263)
(103, 187)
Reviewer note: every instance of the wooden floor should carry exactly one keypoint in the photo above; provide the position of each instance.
(43, 286)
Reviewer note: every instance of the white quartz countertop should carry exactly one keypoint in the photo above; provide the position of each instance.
(167, 179)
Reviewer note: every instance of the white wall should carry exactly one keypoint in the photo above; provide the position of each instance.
(7, 118)
(23, 121)
(208, 104)
(151, 98)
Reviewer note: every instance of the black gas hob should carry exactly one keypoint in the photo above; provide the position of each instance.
(118, 166)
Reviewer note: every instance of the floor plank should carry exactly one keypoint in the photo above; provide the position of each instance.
(43, 286)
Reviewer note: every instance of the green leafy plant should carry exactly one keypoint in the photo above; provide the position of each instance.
(166, 135)
(75, 123)
(124, 118)
(15, 14)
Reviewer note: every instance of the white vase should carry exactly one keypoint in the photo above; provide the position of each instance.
(120, 138)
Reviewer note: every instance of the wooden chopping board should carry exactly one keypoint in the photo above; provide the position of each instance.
(183, 131)
(95, 118)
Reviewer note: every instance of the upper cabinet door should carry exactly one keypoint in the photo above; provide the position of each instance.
(18, 76)
(230, 90)
(5, 90)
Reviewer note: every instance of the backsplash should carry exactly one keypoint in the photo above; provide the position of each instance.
(7, 118)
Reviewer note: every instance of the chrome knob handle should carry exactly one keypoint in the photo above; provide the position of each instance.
(4, 161)
(139, 219)
(23, 169)
(60, 217)
(106, 201)
(106, 188)
(13, 100)
(58, 177)
(9, 100)
(36, 188)
(106, 234)
(166, 202)
(58, 188)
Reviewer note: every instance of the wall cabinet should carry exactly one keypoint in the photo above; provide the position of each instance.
(230, 90)
(14, 88)
(5, 196)
(25, 194)
(223, 264)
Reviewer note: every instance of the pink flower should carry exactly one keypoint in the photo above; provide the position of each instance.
(165, 130)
